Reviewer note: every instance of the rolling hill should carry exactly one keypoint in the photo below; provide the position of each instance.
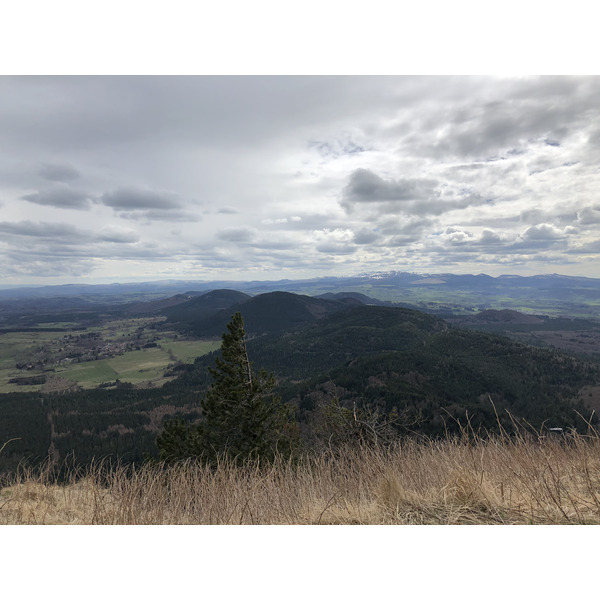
(402, 359)
(265, 313)
(195, 310)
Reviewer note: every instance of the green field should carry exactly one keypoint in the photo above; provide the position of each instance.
(89, 374)
(136, 366)
(187, 351)
(20, 347)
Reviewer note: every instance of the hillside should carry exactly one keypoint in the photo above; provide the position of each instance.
(574, 335)
(506, 316)
(395, 358)
(195, 310)
(265, 313)
(362, 298)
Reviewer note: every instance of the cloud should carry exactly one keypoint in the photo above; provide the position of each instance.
(56, 172)
(490, 238)
(542, 232)
(279, 221)
(365, 186)
(60, 196)
(586, 248)
(128, 199)
(66, 233)
(336, 148)
(167, 216)
(333, 241)
(454, 236)
(118, 235)
(237, 234)
(335, 248)
(366, 236)
(590, 215)
(41, 267)
(141, 204)
(508, 115)
(415, 196)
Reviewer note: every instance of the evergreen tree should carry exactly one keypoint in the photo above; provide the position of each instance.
(242, 417)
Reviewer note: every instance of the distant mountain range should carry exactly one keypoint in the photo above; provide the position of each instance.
(443, 294)
(394, 279)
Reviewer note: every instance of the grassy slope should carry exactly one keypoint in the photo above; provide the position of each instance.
(519, 480)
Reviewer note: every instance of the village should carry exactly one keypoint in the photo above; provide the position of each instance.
(85, 347)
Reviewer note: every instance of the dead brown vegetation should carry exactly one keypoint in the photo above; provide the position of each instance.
(518, 479)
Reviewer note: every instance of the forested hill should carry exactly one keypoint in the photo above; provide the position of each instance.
(408, 360)
(193, 313)
(265, 313)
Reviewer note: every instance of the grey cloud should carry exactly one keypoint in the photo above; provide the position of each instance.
(366, 236)
(489, 246)
(212, 111)
(533, 215)
(536, 239)
(547, 109)
(510, 221)
(167, 216)
(335, 248)
(118, 236)
(593, 140)
(128, 199)
(59, 238)
(413, 225)
(227, 210)
(46, 250)
(236, 234)
(440, 205)
(60, 196)
(270, 245)
(56, 172)
(42, 266)
(589, 215)
(366, 186)
(401, 240)
(61, 231)
(415, 196)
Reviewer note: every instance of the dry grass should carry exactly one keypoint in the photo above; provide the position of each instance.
(501, 480)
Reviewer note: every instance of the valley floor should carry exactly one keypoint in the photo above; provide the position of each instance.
(505, 480)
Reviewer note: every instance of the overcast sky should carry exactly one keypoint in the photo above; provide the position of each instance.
(199, 177)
